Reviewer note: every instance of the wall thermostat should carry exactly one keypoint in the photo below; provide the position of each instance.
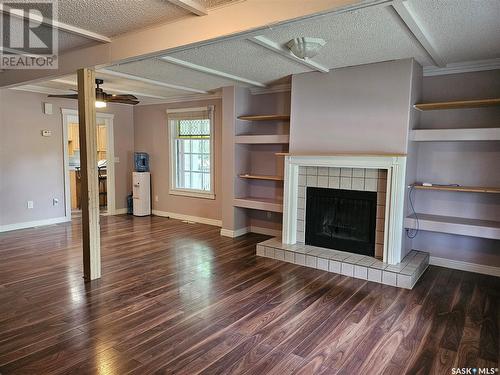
(46, 133)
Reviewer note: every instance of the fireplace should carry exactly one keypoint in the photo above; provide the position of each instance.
(380, 174)
(341, 219)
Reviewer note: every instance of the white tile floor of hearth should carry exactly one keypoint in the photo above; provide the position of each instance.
(403, 275)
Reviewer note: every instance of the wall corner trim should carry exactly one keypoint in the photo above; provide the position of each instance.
(33, 224)
(196, 219)
(234, 233)
(465, 266)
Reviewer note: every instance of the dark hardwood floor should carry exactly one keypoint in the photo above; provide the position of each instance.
(178, 298)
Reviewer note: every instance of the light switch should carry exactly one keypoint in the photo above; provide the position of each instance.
(47, 108)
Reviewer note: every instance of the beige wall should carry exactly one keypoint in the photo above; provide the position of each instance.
(357, 109)
(151, 136)
(31, 166)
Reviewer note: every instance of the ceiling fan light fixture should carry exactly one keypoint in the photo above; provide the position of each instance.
(100, 97)
(100, 104)
(305, 47)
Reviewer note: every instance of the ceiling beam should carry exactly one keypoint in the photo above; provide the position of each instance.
(204, 69)
(20, 14)
(191, 6)
(402, 13)
(111, 88)
(150, 81)
(463, 67)
(283, 51)
(42, 90)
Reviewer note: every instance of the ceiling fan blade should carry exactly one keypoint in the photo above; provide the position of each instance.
(122, 96)
(68, 96)
(119, 99)
(101, 95)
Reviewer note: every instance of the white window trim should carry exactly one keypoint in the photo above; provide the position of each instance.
(173, 156)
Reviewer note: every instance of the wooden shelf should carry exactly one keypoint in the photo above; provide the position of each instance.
(437, 135)
(458, 104)
(262, 139)
(265, 118)
(464, 189)
(263, 204)
(261, 177)
(455, 225)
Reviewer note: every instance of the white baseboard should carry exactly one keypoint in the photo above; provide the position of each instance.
(250, 229)
(32, 224)
(465, 266)
(196, 219)
(120, 211)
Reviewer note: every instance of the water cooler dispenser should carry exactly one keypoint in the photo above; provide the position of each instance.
(141, 185)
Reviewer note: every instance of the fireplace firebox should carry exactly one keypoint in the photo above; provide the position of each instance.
(341, 219)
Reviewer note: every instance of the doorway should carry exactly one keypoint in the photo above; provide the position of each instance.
(105, 157)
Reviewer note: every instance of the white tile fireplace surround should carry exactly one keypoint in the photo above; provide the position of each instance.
(356, 179)
(349, 172)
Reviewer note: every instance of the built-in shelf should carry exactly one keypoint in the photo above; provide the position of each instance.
(263, 139)
(261, 177)
(437, 135)
(265, 118)
(477, 103)
(263, 204)
(464, 189)
(455, 225)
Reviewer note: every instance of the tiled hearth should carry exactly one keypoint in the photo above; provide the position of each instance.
(403, 275)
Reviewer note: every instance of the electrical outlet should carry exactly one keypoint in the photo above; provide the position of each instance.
(29, 204)
(55, 202)
(269, 214)
(156, 198)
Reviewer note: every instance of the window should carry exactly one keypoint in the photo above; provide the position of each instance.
(191, 151)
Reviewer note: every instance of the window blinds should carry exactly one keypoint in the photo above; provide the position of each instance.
(201, 113)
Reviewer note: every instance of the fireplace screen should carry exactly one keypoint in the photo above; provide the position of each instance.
(341, 219)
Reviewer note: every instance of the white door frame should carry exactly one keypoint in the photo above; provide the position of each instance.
(107, 118)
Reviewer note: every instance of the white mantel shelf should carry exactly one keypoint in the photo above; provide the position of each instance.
(395, 164)
(357, 154)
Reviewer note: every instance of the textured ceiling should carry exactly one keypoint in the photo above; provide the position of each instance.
(462, 30)
(354, 38)
(242, 58)
(113, 17)
(173, 74)
(66, 41)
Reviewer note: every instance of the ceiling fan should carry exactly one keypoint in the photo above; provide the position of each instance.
(101, 97)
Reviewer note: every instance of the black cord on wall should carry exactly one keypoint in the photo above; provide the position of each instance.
(412, 233)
